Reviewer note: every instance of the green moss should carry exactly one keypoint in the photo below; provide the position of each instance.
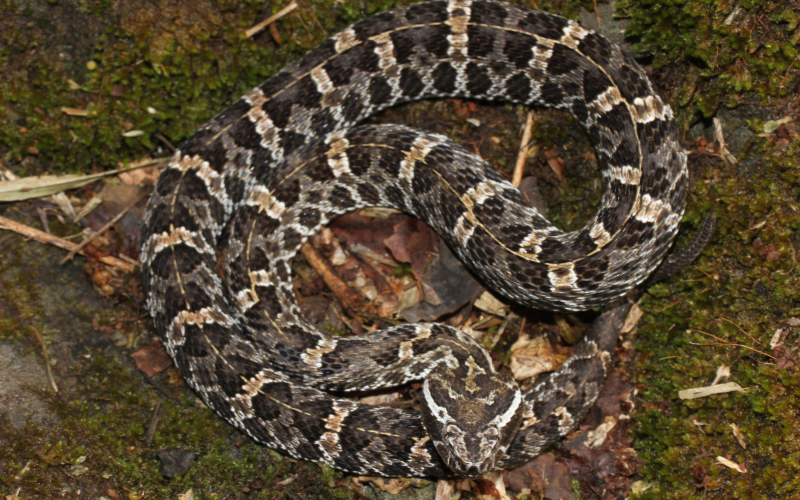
(719, 51)
(103, 430)
(158, 71)
(746, 281)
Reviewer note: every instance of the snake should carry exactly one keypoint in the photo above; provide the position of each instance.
(248, 188)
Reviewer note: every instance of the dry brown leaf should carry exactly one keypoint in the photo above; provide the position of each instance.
(596, 437)
(446, 490)
(152, 358)
(490, 487)
(632, 320)
(75, 111)
(532, 357)
(489, 303)
(557, 165)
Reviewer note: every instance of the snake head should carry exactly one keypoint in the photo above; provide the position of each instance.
(471, 416)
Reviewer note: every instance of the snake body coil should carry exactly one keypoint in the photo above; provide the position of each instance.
(283, 160)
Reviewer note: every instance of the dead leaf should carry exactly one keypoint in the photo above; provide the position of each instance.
(596, 437)
(147, 176)
(75, 111)
(152, 358)
(489, 303)
(723, 371)
(557, 165)
(532, 357)
(544, 475)
(446, 490)
(490, 487)
(46, 185)
(632, 320)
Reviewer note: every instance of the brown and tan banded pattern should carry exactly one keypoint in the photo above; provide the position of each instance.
(282, 161)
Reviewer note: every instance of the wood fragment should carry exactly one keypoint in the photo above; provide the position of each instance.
(74, 111)
(49, 239)
(523, 150)
(701, 392)
(271, 19)
(524, 146)
(349, 297)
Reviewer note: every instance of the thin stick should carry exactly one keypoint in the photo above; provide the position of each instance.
(523, 150)
(46, 359)
(43, 237)
(103, 229)
(151, 429)
(271, 19)
(742, 329)
(725, 342)
(349, 298)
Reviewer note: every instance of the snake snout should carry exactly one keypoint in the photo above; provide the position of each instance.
(471, 427)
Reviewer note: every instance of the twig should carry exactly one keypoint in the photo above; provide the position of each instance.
(151, 429)
(349, 297)
(43, 237)
(742, 330)
(103, 229)
(46, 359)
(725, 342)
(271, 19)
(165, 141)
(523, 150)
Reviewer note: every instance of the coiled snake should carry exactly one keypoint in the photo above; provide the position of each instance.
(283, 160)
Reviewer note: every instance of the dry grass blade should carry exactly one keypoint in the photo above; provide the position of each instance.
(46, 358)
(271, 19)
(46, 185)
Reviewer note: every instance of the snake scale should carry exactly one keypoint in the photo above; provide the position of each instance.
(248, 188)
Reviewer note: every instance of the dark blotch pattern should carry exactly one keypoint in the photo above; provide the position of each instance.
(594, 83)
(518, 88)
(564, 60)
(518, 49)
(444, 78)
(410, 82)
(340, 197)
(546, 25)
(380, 91)
(481, 41)
(478, 80)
